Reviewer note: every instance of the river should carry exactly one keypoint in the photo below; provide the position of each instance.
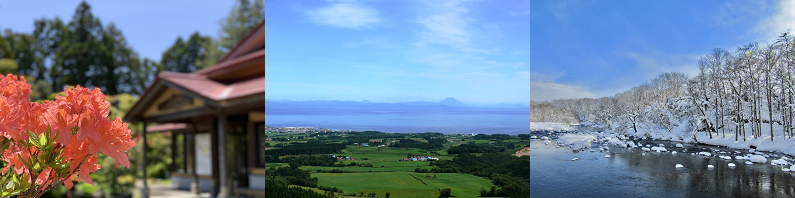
(635, 173)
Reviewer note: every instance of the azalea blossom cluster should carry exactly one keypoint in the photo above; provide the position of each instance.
(44, 144)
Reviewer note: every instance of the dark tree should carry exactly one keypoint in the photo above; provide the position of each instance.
(186, 55)
(445, 192)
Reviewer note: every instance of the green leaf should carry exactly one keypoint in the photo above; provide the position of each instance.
(24, 182)
(51, 157)
(33, 138)
(37, 167)
(16, 192)
(42, 159)
(27, 164)
(9, 185)
(43, 140)
(52, 141)
(62, 168)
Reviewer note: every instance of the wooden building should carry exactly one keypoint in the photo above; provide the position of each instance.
(216, 116)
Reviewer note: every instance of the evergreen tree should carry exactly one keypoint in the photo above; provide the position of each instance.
(188, 56)
(77, 60)
(22, 49)
(7, 62)
(48, 35)
(243, 18)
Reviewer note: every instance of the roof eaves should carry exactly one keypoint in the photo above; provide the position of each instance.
(134, 110)
(249, 34)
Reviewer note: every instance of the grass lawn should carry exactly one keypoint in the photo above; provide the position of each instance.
(373, 155)
(276, 165)
(323, 192)
(483, 141)
(403, 184)
(461, 185)
(368, 169)
(398, 184)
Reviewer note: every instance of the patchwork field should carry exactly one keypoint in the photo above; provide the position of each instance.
(367, 169)
(388, 175)
(404, 184)
(373, 155)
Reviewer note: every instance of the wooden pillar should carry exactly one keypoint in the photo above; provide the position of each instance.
(186, 149)
(223, 127)
(251, 138)
(173, 151)
(145, 190)
(214, 153)
(195, 188)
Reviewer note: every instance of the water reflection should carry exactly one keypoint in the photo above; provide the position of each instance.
(631, 173)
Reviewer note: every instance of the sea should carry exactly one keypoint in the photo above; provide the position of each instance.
(510, 122)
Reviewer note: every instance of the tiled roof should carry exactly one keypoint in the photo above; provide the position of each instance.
(214, 90)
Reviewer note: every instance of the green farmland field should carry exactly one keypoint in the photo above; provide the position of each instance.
(276, 165)
(387, 174)
(402, 184)
(368, 169)
(388, 153)
(398, 184)
(462, 185)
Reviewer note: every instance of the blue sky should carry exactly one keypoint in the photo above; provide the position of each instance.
(149, 26)
(599, 48)
(396, 51)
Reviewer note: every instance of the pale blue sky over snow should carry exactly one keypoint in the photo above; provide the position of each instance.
(599, 48)
(396, 51)
(150, 26)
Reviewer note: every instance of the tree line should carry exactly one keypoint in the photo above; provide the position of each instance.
(507, 171)
(84, 51)
(749, 92)
(307, 148)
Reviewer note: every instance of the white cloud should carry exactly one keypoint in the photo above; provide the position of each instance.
(447, 39)
(542, 77)
(653, 64)
(524, 75)
(544, 91)
(345, 14)
(738, 12)
(447, 25)
(782, 20)
(543, 87)
(450, 48)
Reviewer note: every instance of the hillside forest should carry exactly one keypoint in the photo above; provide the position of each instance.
(747, 93)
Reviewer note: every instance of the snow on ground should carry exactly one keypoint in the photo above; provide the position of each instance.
(549, 126)
(758, 159)
(684, 134)
(780, 144)
(615, 141)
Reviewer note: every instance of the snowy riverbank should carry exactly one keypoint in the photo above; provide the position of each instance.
(763, 143)
(550, 126)
(786, 146)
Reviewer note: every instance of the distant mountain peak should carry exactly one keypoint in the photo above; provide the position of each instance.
(452, 102)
